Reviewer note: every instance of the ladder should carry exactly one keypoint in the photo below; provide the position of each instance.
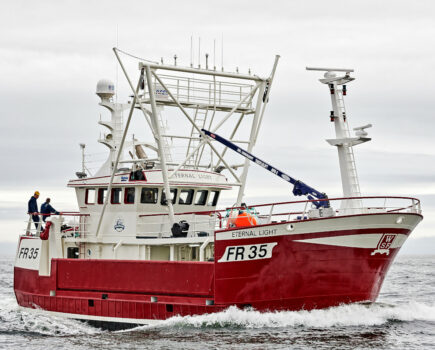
(350, 158)
(82, 250)
(199, 119)
(166, 146)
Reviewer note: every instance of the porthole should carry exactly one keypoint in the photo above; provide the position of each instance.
(89, 252)
(290, 227)
(399, 220)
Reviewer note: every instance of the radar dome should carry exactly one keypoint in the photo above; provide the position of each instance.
(105, 89)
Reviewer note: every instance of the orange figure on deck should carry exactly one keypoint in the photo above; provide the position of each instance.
(243, 219)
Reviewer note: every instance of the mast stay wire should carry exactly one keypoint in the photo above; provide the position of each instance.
(135, 57)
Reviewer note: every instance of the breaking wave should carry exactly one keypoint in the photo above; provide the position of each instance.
(16, 320)
(341, 316)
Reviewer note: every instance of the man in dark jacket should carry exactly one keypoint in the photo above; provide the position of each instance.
(33, 208)
(47, 209)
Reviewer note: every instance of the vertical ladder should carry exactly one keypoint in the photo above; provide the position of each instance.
(166, 146)
(349, 149)
(199, 119)
(82, 250)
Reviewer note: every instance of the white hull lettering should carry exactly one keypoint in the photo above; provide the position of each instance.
(248, 252)
(28, 254)
(254, 233)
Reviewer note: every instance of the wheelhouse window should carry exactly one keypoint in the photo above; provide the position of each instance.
(137, 175)
(129, 195)
(173, 197)
(102, 192)
(213, 198)
(201, 197)
(116, 195)
(90, 196)
(186, 197)
(149, 195)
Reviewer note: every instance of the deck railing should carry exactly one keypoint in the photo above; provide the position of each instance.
(205, 223)
(279, 212)
(158, 225)
(203, 91)
(72, 224)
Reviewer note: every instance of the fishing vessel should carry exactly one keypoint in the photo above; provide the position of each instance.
(150, 241)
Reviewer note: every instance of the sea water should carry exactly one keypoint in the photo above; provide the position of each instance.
(402, 318)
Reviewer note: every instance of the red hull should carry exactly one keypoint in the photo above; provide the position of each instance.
(299, 275)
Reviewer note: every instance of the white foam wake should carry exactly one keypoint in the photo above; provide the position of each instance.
(15, 319)
(341, 316)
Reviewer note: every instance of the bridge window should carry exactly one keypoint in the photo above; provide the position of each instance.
(129, 195)
(213, 198)
(102, 192)
(201, 197)
(116, 196)
(173, 196)
(149, 195)
(90, 196)
(137, 175)
(186, 197)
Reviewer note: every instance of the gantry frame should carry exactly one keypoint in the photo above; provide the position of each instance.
(252, 100)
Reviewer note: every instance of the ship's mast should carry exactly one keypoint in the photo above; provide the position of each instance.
(106, 90)
(344, 141)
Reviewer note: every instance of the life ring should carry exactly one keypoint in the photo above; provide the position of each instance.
(44, 234)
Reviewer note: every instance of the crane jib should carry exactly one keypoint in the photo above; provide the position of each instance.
(265, 165)
(300, 188)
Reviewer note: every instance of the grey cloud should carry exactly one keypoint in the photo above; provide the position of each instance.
(53, 53)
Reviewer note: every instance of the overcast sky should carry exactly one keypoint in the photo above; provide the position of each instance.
(52, 53)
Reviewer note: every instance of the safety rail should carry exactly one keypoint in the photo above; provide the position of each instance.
(202, 91)
(76, 226)
(297, 211)
(162, 227)
(344, 208)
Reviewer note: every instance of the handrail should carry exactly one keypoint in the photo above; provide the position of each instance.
(327, 199)
(63, 213)
(186, 213)
(304, 214)
(79, 224)
(208, 212)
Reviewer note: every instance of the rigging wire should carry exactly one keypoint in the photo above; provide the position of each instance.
(136, 57)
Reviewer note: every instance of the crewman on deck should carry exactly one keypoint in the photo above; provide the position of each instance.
(47, 210)
(33, 208)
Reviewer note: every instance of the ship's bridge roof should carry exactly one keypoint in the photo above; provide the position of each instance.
(183, 177)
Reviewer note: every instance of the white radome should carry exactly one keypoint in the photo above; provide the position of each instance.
(105, 88)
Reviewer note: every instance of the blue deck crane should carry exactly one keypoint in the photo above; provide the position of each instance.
(299, 189)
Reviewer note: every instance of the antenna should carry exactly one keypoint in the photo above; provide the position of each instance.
(83, 146)
(214, 54)
(116, 66)
(191, 51)
(322, 69)
(222, 52)
(199, 52)
(82, 174)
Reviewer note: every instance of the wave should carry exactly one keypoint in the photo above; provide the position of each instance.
(17, 320)
(14, 319)
(341, 316)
